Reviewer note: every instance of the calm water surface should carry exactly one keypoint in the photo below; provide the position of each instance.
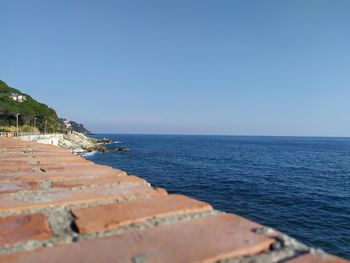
(300, 186)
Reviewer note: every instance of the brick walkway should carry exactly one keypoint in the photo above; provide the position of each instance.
(58, 207)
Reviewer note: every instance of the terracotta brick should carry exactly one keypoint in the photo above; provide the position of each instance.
(11, 187)
(313, 258)
(99, 181)
(161, 190)
(13, 162)
(59, 161)
(64, 166)
(101, 218)
(68, 158)
(200, 240)
(86, 176)
(69, 197)
(47, 168)
(73, 166)
(47, 148)
(21, 228)
(5, 153)
(12, 257)
(83, 173)
(19, 160)
(51, 154)
(16, 168)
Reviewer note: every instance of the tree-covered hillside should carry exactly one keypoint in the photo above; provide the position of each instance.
(29, 110)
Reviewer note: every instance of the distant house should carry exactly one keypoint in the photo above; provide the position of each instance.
(18, 97)
(67, 124)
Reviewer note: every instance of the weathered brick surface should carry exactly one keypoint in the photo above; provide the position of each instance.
(201, 240)
(67, 197)
(86, 173)
(16, 168)
(11, 187)
(161, 191)
(64, 167)
(14, 229)
(105, 217)
(99, 181)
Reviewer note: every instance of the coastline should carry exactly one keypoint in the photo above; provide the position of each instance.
(77, 143)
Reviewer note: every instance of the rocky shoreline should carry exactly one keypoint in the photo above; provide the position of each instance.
(76, 142)
(80, 143)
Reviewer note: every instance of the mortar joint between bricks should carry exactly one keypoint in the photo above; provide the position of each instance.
(45, 185)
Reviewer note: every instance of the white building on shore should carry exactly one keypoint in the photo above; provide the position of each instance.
(18, 97)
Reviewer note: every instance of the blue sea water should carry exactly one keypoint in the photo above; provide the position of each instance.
(299, 185)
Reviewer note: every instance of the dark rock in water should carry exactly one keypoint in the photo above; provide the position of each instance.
(99, 148)
(120, 149)
(103, 141)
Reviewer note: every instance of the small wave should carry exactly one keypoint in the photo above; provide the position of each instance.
(87, 154)
(117, 142)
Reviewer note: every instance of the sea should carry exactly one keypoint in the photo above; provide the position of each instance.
(298, 185)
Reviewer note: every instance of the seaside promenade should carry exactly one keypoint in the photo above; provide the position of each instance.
(58, 207)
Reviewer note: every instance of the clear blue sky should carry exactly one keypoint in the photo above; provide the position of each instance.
(184, 67)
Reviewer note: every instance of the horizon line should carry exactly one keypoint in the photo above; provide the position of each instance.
(232, 135)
